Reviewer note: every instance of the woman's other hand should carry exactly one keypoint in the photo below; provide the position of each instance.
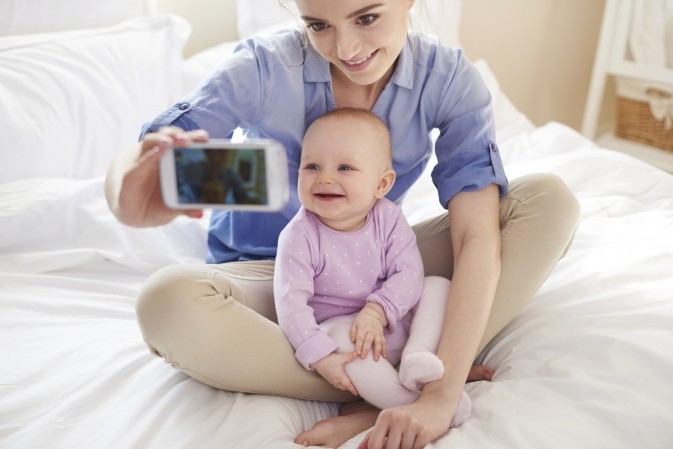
(132, 187)
(411, 426)
(415, 425)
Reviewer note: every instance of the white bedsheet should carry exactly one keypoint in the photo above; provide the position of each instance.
(588, 364)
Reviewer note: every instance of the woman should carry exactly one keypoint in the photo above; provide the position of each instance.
(216, 322)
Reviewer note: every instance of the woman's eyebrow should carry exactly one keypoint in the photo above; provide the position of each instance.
(364, 10)
(350, 16)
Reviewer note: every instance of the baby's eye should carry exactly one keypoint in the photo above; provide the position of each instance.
(368, 19)
(311, 167)
(344, 167)
(316, 27)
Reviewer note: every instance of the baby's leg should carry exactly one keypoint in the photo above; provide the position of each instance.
(377, 381)
(420, 363)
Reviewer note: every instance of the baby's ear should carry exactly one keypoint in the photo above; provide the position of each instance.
(386, 183)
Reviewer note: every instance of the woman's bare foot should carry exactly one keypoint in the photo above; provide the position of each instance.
(354, 417)
(480, 372)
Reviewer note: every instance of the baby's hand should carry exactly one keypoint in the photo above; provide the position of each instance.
(367, 331)
(331, 368)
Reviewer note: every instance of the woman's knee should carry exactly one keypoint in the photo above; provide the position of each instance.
(550, 191)
(166, 297)
(165, 288)
(546, 197)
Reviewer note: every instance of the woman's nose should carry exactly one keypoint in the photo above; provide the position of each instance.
(348, 45)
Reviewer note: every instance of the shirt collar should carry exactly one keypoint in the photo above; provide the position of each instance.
(317, 68)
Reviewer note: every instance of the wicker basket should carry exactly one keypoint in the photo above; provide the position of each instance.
(645, 114)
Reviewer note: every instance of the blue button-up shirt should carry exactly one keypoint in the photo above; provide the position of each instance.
(276, 86)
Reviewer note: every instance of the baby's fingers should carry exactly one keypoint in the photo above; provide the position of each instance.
(353, 332)
(380, 347)
(363, 343)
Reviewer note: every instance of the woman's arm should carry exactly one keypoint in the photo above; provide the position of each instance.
(475, 234)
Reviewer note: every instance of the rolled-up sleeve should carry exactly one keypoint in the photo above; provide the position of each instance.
(467, 153)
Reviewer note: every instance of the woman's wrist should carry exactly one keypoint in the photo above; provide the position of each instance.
(441, 391)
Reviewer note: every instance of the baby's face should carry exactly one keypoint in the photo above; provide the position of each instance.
(342, 167)
(213, 192)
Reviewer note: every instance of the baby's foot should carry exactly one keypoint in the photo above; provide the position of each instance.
(463, 410)
(419, 368)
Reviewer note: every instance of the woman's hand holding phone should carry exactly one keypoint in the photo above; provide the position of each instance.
(250, 176)
(132, 186)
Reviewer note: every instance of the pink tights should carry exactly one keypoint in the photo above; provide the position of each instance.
(378, 382)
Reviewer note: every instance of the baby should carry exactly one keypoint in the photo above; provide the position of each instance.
(349, 286)
(213, 191)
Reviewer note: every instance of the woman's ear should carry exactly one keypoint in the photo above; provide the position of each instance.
(386, 183)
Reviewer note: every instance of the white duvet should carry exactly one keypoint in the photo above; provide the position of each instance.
(587, 364)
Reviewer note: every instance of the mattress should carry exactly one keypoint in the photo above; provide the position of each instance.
(587, 364)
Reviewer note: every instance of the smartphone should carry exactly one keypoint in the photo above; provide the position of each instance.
(220, 174)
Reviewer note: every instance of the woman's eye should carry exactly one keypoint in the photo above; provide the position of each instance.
(316, 27)
(368, 19)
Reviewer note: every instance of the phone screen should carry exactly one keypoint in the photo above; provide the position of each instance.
(221, 176)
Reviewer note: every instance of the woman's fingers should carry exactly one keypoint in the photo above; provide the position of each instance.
(364, 444)
(171, 136)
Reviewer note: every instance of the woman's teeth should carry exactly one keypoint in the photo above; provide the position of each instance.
(358, 61)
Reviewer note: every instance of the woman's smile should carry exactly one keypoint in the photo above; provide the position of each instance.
(355, 65)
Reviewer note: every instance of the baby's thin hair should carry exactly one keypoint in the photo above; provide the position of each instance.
(366, 116)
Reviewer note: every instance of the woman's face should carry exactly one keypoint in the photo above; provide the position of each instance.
(361, 38)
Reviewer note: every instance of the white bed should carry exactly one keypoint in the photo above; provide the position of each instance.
(587, 364)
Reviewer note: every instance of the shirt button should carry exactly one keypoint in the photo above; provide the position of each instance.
(493, 147)
(184, 106)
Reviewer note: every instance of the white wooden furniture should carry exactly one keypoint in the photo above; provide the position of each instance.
(611, 61)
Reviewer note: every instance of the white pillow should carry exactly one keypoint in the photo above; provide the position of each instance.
(43, 16)
(198, 66)
(70, 101)
(439, 17)
(255, 15)
(57, 223)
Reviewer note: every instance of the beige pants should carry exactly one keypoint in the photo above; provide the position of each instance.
(217, 323)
